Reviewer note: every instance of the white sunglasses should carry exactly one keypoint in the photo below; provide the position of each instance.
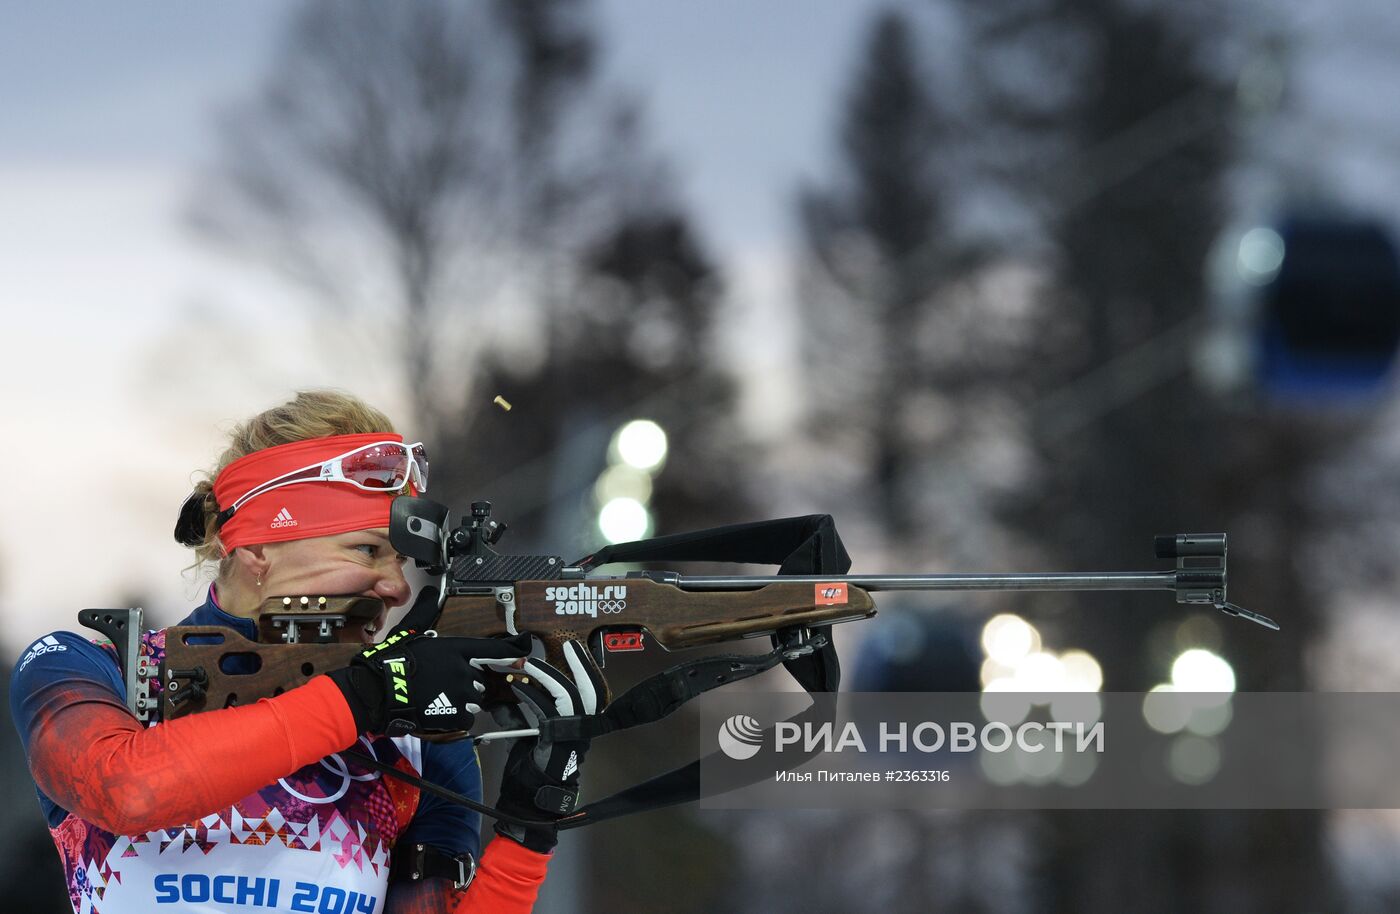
(384, 466)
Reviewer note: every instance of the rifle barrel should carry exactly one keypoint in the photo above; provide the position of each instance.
(1074, 581)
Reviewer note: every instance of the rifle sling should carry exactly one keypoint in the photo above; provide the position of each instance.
(682, 785)
(646, 702)
(657, 696)
(438, 790)
(801, 545)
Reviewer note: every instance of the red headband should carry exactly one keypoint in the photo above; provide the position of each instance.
(300, 510)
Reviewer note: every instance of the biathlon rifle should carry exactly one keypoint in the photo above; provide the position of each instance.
(580, 617)
(489, 594)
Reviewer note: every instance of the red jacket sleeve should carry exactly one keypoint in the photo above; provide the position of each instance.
(94, 759)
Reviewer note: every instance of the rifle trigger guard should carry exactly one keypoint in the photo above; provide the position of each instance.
(505, 601)
(798, 641)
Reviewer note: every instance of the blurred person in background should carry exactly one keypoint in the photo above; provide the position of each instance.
(253, 806)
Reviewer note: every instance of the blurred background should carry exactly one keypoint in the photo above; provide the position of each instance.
(1002, 285)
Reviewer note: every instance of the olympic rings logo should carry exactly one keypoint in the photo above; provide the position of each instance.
(589, 607)
(336, 765)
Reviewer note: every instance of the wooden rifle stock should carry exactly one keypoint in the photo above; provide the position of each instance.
(605, 614)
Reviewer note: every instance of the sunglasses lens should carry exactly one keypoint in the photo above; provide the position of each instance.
(384, 466)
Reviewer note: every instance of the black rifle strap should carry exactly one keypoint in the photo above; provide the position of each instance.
(438, 790)
(682, 785)
(657, 696)
(799, 545)
(646, 702)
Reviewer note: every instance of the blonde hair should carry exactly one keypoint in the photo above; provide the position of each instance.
(309, 414)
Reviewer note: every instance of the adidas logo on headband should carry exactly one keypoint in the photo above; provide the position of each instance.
(283, 519)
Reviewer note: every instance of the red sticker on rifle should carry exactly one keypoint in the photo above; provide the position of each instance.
(623, 641)
(831, 594)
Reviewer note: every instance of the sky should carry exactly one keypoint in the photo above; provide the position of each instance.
(107, 123)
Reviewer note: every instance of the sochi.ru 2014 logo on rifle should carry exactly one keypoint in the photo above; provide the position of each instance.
(587, 599)
(740, 737)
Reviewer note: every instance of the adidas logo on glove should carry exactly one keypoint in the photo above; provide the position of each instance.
(440, 705)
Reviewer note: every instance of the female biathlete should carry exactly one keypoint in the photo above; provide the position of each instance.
(251, 809)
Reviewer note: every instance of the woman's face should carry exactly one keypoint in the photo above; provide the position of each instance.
(360, 563)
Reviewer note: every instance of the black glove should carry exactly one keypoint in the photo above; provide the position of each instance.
(413, 681)
(540, 779)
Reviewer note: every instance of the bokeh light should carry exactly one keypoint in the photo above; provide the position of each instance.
(1200, 670)
(1164, 711)
(623, 519)
(641, 443)
(1007, 638)
(1082, 672)
(1193, 760)
(622, 480)
(1260, 255)
(1210, 719)
(1040, 671)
